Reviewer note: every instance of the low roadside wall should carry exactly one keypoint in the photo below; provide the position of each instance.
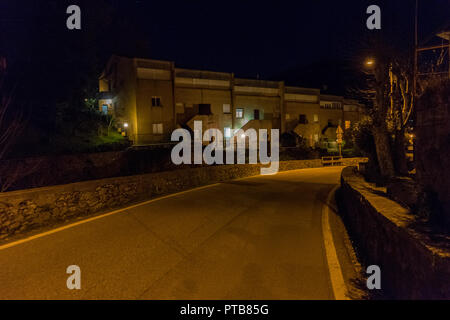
(23, 210)
(412, 265)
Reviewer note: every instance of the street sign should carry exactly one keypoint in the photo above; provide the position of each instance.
(339, 134)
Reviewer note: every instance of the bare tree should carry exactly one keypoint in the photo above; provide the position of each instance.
(11, 123)
(379, 91)
(400, 110)
(387, 93)
(10, 120)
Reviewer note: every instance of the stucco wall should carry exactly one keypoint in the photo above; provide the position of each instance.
(412, 265)
(147, 115)
(24, 210)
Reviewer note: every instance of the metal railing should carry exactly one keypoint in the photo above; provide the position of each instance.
(331, 161)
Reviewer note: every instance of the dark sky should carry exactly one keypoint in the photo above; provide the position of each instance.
(268, 37)
(250, 38)
(314, 43)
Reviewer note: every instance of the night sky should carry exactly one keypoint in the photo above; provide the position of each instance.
(266, 38)
(302, 42)
(245, 36)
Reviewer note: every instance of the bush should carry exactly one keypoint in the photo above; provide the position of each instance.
(364, 144)
(288, 139)
(72, 130)
(362, 138)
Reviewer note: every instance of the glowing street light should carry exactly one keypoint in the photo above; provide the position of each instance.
(370, 62)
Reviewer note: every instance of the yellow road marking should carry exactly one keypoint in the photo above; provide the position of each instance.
(43, 234)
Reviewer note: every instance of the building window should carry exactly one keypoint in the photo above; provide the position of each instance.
(347, 124)
(156, 101)
(226, 108)
(316, 118)
(105, 109)
(227, 132)
(302, 119)
(288, 116)
(336, 105)
(204, 109)
(316, 137)
(331, 105)
(256, 114)
(239, 113)
(157, 128)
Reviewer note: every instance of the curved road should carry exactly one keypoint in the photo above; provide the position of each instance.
(253, 238)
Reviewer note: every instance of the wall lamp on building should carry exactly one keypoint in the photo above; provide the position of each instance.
(124, 131)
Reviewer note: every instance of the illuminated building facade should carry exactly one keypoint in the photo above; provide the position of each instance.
(151, 98)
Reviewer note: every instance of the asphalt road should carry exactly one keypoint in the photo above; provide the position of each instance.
(254, 238)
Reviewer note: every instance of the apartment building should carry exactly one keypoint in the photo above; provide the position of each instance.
(151, 98)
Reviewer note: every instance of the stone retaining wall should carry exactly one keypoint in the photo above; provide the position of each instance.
(412, 265)
(24, 210)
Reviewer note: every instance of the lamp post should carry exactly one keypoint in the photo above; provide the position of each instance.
(370, 62)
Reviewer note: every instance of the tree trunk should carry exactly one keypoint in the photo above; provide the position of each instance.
(400, 160)
(383, 152)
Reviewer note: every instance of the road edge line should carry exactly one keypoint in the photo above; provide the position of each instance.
(334, 267)
(46, 233)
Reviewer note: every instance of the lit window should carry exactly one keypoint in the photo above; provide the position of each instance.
(156, 101)
(239, 113)
(105, 109)
(347, 124)
(316, 118)
(288, 116)
(227, 132)
(157, 128)
(316, 137)
(226, 108)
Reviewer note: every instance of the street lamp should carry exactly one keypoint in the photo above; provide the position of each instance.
(370, 62)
